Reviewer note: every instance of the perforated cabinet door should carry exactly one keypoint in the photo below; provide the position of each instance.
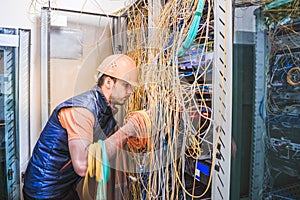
(10, 130)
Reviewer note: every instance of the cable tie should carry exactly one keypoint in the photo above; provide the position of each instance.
(198, 13)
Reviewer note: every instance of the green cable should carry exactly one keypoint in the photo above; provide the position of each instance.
(277, 3)
(193, 29)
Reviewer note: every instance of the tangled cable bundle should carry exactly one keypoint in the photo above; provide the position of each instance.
(141, 120)
(173, 92)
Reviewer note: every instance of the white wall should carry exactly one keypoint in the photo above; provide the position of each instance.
(25, 14)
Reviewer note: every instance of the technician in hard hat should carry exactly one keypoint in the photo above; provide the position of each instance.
(59, 159)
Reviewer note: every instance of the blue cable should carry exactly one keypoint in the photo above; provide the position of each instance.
(105, 163)
(261, 113)
(282, 197)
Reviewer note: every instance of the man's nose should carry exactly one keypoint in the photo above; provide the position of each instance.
(130, 90)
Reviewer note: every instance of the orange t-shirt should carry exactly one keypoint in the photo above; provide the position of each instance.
(78, 121)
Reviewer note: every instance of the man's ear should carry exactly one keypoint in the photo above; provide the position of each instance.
(109, 82)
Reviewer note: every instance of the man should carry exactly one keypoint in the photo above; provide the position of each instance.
(59, 159)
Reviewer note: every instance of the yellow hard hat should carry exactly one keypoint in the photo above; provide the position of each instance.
(121, 67)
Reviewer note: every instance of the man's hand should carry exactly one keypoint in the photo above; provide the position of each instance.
(137, 124)
(129, 129)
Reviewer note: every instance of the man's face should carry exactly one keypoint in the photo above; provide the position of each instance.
(121, 91)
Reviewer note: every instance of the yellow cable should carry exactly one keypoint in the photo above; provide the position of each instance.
(94, 167)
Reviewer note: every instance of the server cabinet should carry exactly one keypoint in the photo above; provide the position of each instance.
(14, 116)
(276, 141)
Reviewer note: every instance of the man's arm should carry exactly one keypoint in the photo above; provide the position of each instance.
(79, 155)
(79, 123)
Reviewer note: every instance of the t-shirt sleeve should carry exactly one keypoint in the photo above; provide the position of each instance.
(78, 121)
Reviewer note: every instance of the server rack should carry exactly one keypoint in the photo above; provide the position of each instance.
(276, 141)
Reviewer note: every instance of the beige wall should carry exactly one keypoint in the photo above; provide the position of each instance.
(69, 77)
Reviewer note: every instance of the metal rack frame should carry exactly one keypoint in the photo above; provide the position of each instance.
(222, 99)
